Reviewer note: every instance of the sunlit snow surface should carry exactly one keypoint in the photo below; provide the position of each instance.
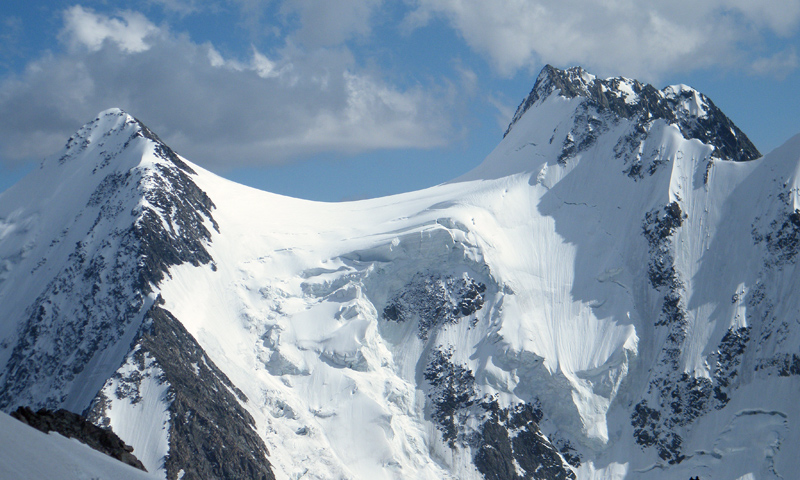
(142, 419)
(292, 309)
(26, 453)
(293, 313)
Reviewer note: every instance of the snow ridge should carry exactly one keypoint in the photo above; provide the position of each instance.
(132, 212)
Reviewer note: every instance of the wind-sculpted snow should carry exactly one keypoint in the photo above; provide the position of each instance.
(606, 296)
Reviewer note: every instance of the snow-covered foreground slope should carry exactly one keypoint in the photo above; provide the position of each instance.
(611, 294)
(27, 453)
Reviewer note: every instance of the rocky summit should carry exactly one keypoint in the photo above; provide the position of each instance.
(611, 294)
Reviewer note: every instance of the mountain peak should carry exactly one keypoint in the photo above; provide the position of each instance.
(692, 112)
(109, 134)
(572, 82)
(108, 123)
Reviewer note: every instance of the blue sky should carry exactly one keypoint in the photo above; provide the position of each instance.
(351, 99)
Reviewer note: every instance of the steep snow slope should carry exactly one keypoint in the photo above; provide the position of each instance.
(609, 295)
(27, 453)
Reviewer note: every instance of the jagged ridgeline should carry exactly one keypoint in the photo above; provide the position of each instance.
(612, 293)
(694, 114)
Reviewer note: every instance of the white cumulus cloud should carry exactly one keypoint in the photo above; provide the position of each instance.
(642, 39)
(130, 30)
(216, 110)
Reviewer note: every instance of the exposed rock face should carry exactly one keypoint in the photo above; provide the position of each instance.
(782, 238)
(72, 425)
(452, 393)
(507, 443)
(692, 112)
(435, 301)
(659, 225)
(210, 434)
(771, 319)
(512, 435)
(674, 398)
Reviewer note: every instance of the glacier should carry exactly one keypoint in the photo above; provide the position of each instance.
(609, 295)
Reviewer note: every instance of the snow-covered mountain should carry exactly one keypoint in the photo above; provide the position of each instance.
(611, 294)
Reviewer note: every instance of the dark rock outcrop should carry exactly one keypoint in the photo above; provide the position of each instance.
(435, 301)
(72, 425)
(782, 239)
(146, 219)
(645, 105)
(505, 439)
(512, 435)
(658, 226)
(452, 391)
(210, 434)
(678, 399)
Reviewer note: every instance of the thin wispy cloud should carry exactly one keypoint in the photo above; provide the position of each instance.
(326, 24)
(779, 64)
